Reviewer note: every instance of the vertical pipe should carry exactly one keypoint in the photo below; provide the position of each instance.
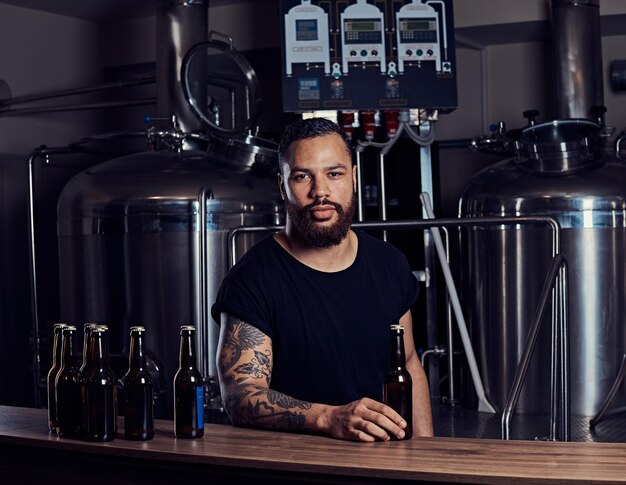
(565, 367)
(359, 187)
(203, 327)
(180, 25)
(577, 57)
(426, 177)
(451, 390)
(33, 273)
(382, 193)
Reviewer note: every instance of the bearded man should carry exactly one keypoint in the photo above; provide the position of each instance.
(304, 315)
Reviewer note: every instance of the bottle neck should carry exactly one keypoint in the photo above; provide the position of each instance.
(187, 357)
(57, 349)
(68, 357)
(86, 348)
(397, 359)
(98, 351)
(137, 356)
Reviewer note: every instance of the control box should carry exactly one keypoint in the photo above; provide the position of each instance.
(367, 54)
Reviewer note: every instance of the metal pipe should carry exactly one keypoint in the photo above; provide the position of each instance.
(359, 186)
(430, 263)
(76, 91)
(449, 331)
(382, 193)
(203, 330)
(554, 272)
(565, 368)
(76, 107)
(180, 25)
(577, 57)
(34, 155)
(554, 352)
(483, 402)
(410, 224)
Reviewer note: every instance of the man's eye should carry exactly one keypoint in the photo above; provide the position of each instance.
(299, 177)
(335, 174)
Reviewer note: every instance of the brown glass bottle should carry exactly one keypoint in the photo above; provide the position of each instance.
(398, 385)
(188, 389)
(52, 374)
(84, 369)
(137, 385)
(68, 388)
(100, 389)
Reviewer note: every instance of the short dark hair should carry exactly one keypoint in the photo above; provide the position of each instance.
(309, 128)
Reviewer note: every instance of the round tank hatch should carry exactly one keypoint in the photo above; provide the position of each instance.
(561, 146)
(221, 86)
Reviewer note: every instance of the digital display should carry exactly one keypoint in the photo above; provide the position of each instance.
(417, 25)
(362, 26)
(306, 29)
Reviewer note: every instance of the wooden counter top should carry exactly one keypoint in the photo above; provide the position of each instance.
(230, 454)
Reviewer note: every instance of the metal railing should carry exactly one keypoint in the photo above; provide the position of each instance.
(556, 281)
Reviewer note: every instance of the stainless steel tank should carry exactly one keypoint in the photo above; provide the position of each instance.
(561, 171)
(129, 242)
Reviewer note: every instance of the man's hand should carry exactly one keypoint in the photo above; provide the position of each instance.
(362, 420)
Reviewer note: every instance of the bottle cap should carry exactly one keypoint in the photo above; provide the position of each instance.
(69, 327)
(396, 326)
(187, 328)
(60, 325)
(137, 328)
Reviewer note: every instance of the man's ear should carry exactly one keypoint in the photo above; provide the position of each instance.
(281, 185)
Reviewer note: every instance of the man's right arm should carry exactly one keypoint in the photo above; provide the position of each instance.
(244, 362)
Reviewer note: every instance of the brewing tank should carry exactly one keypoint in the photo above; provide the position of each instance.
(561, 171)
(130, 247)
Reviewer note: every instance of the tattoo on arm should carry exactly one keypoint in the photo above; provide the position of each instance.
(245, 367)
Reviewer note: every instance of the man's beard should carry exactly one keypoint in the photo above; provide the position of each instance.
(313, 233)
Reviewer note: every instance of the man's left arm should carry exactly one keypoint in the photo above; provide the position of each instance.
(422, 414)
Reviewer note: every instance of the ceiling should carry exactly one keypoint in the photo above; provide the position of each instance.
(100, 10)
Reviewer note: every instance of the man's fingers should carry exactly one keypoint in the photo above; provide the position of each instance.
(376, 424)
(383, 416)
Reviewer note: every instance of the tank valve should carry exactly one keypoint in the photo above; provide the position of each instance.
(531, 116)
(172, 138)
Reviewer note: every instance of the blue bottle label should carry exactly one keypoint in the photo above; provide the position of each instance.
(200, 406)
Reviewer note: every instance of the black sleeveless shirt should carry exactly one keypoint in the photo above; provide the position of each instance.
(329, 331)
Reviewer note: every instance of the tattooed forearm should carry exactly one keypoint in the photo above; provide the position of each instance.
(253, 406)
(245, 370)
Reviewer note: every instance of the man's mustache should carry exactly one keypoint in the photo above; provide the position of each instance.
(337, 206)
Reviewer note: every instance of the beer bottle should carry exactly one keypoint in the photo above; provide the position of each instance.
(67, 388)
(398, 386)
(52, 374)
(188, 390)
(101, 388)
(84, 369)
(137, 385)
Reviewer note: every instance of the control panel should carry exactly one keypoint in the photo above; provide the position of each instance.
(368, 54)
(306, 37)
(362, 36)
(418, 36)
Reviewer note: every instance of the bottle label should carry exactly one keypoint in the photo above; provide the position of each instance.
(200, 406)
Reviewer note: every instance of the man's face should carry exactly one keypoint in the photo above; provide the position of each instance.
(318, 184)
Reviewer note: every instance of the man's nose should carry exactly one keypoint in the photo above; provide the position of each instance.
(320, 188)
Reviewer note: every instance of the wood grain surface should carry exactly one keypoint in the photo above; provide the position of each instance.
(233, 449)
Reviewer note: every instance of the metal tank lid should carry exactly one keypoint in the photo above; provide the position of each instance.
(164, 182)
(560, 146)
(594, 196)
